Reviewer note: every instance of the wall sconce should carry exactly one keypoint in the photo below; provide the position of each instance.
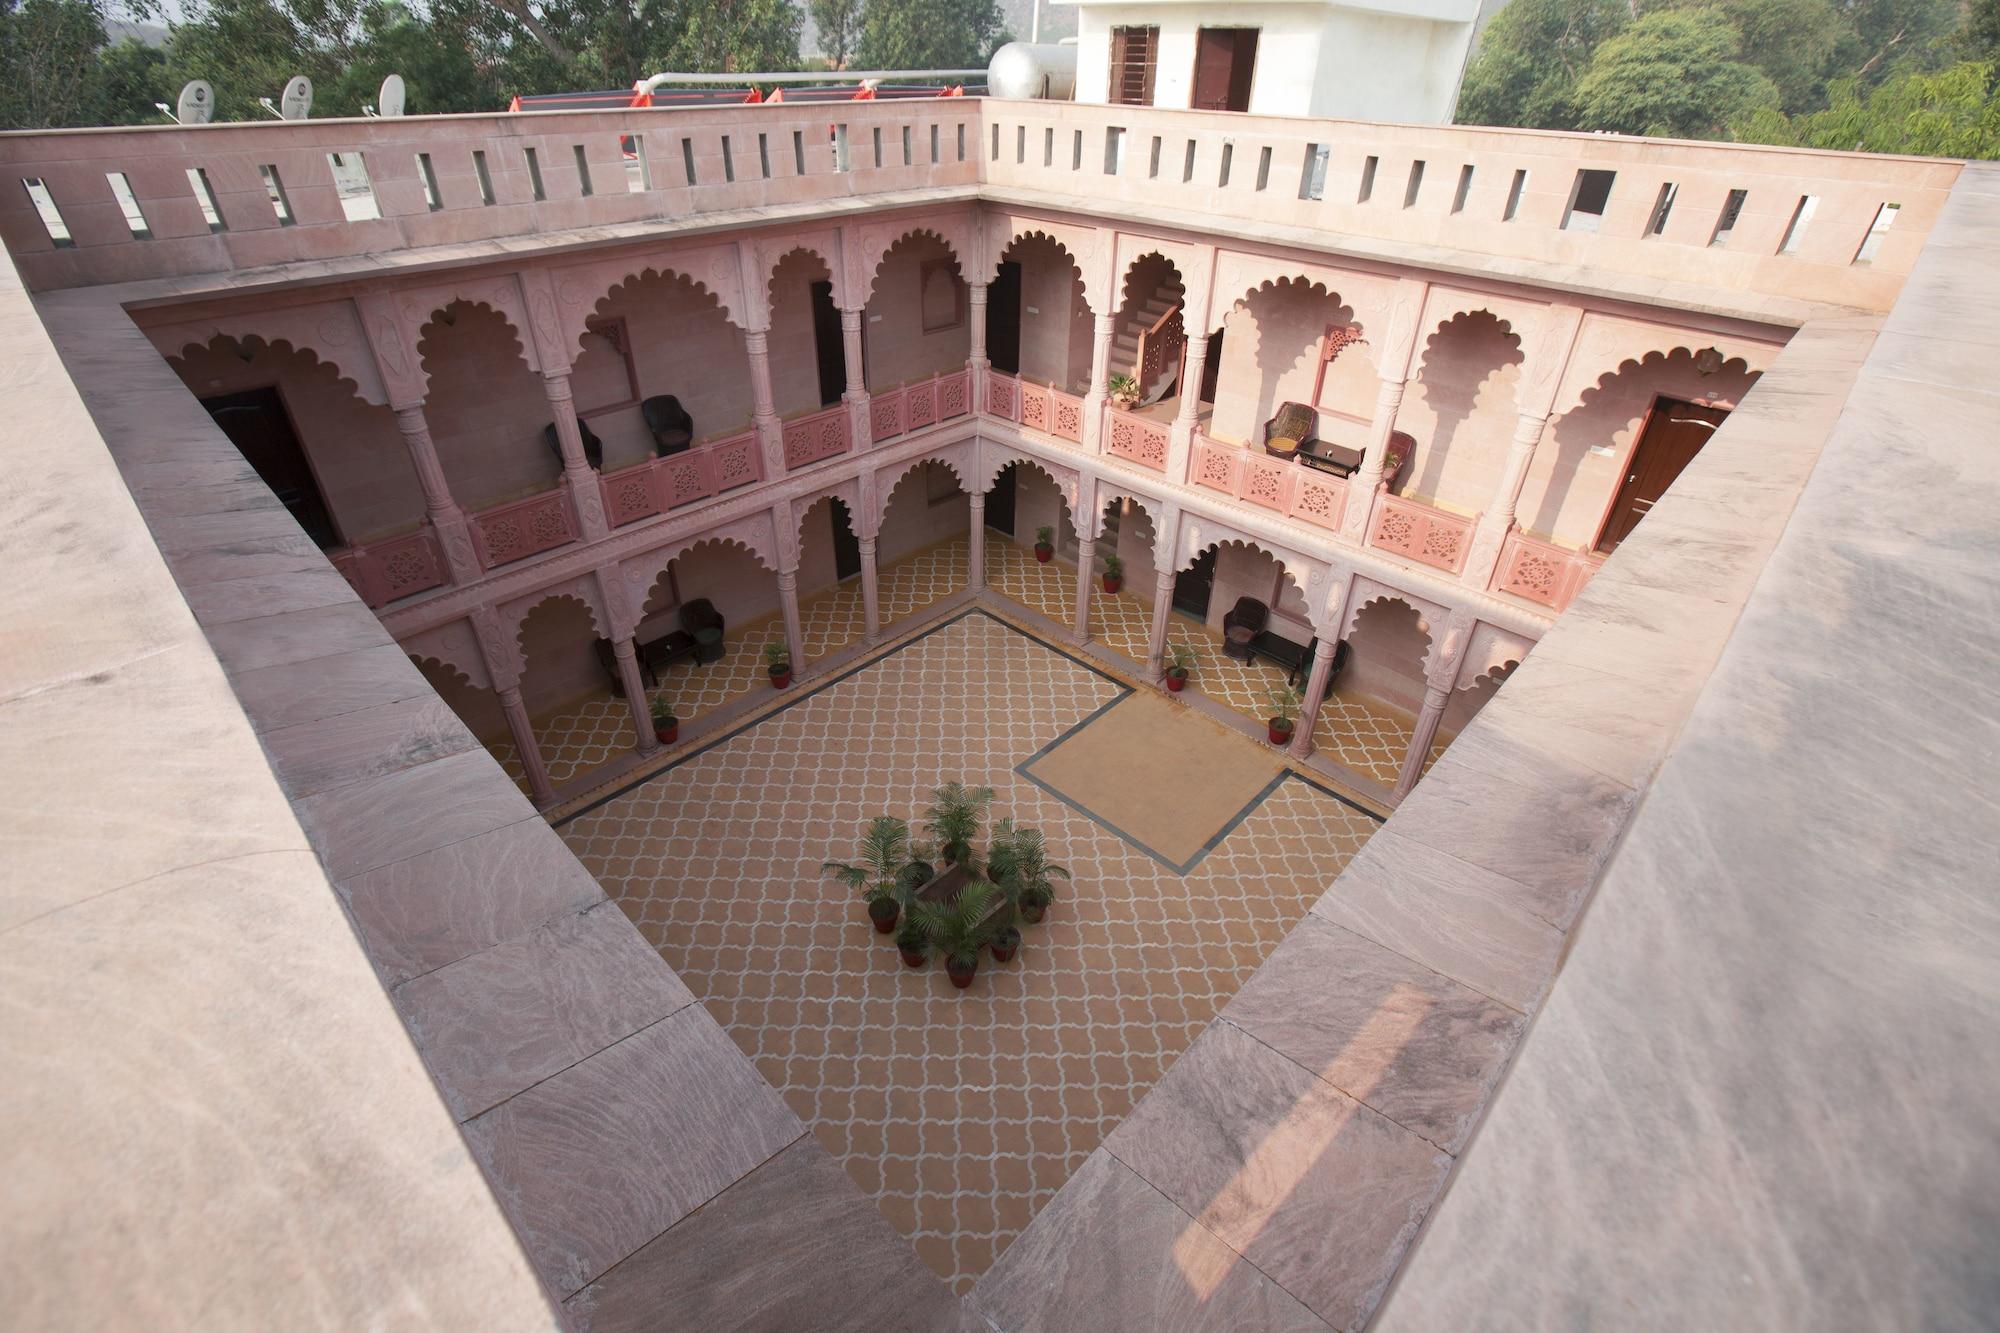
(1707, 361)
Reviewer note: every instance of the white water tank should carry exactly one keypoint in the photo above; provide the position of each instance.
(1027, 72)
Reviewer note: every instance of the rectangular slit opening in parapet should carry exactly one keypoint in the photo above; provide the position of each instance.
(274, 187)
(908, 160)
(996, 143)
(799, 151)
(1049, 147)
(1367, 190)
(1020, 145)
(484, 176)
(582, 170)
(51, 216)
(1153, 164)
(1076, 152)
(1795, 230)
(842, 158)
(1416, 184)
(638, 171)
(937, 154)
(1663, 208)
(427, 175)
(764, 155)
(204, 194)
(728, 162)
(1312, 176)
(535, 185)
(1464, 189)
(1264, 166)
(1114, 150)
(1725, 222)
(1228, 157)
(1187, 164)
(1589, 196)
(876, 135)
(128, 204)
(1871, 244)
(961, 141)
(356, 191)
(1514, 193)
(687, 159)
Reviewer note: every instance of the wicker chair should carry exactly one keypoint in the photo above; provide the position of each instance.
(698, 615)
(672, 427)
(1249, 615)
(593, 448)
(1295, 422)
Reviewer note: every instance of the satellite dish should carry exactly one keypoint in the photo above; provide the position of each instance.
(389, 102)
(197, 104)
(297, 103)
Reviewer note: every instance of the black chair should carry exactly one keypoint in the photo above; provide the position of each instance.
(1249, 616)
(672, 427)
(696, 616)
(593, 448)
(1296, 658)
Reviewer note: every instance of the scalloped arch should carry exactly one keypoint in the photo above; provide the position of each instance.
(993, 462)
(425, 337)
(517, 614)
(1664, 362)
(643, 572)
(630, 284)
(1306, 575)
(314, 361)
(447, 668)
(1029, 231)
(878, 253)
(1290, 283)
(889, 479)
(774, 259)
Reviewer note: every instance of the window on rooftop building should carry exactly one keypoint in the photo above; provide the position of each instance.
(1588, 198)
(1732, 209)
(1795, 230)
(1134, 56)
(1885, 217)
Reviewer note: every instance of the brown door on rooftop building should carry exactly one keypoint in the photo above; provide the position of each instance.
(1134, 54)
(1675, 432)
(258, 425)
(1223, 61)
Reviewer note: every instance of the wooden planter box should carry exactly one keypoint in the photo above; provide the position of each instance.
(946, 885)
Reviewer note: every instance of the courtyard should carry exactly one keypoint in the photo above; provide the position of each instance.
(962, 1113)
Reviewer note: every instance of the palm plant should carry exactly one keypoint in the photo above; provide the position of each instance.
(877, 874)
(960, 928)
(1287, 701)
(1031, 875)
(953, 819)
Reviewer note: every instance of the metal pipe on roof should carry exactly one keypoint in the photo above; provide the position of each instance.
(647, 85)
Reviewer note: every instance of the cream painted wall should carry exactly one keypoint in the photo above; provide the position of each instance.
(1386, 651)
(682, 344)
(794, 348)
(897, 348)
(1056, 323)
(486, 408)
(1460, 408)
(914, 519)
(1270, 355)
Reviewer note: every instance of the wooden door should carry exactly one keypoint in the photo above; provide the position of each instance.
(257, 423)
(1675, 432)
(1134, 53)
(1224, 59)
(1003, 319)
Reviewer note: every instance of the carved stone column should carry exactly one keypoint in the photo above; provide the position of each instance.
(795, 634)
(1367, 478)
(1100, 371)
(976, 360)
(526, 745)
(1498, 520)
(975, 560)
(1086, 562)
(871, 601)
(1163, 606)
(1440, 681)
(579, 478)
(1316, 683)
(1180, 443)
(448, 522)
(763, 411)
(860, 429)
(635, 692)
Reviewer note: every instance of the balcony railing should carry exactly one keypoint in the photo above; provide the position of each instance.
(1421, 533)
(1036, 406)
(1541, 572)
(662, 484)
(816, 438)
(387, 571)
(911, 407)
(1136, 438)
(1285, 487)
(522, 528)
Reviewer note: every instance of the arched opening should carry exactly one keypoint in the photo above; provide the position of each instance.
(831, 611)
(924, 544)
(653, 337)
(718, 585)
(1460, 410)
(1369, 716)
(580, 718)
(1149, 333)
(1291, 341)
(1024, 500)
(488, 411)
(336, 461)
(918, 322)
(1038, 321)
(808, 361)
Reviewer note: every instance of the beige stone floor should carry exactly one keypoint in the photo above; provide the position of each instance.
(961, 1114)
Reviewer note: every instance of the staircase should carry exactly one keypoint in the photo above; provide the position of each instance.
(1163, 292)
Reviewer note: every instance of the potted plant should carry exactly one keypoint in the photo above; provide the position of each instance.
(913, 942)
(1114, 573)
(953, 819)
(1180, 661)
(918, 870)
(1286, 701)
(878, 872)
(1005, 943)
(959, 929)
(1123, 391)
(1045, 544)
(778, 661)
(1030, 875)
(666, 726)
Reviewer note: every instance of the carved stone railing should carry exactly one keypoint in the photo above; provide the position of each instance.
(1418, 532)
(1542, 572)
(1036, 406)
(1135, 438)
(514, 531)
(387, 571)
(899, 411)
(816, 438)
(1288, 488)
(1161, 347)
(662, 484)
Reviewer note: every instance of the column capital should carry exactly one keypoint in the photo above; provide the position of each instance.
(788, 580)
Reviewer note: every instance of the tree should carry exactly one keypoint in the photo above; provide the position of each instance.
(247, 49)
(559, 45)
(1980, 38)
(928, 34)
(1674, 73)
(839, 21)
(436, 67)
(1530, 58)
(1794, 42)
(47, 60)
(1952, 113)
(131, 81)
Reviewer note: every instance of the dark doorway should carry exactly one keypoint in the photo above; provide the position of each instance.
(846, 546)
(1195, 585)
(1003, 319)
(828, 344)
(258, 425)
(1675, 432)
(1211, 369)
(1223, 61)
(1000, 501)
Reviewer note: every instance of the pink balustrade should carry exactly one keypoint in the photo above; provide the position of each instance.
(1291, 489)
(1048, 410)
(659, 485)
(517, 530)
(1136, 438)
(816, 438)
(388, 571)
(1415, 530)
(1003, 395)
(899, 411)
(1542, 572)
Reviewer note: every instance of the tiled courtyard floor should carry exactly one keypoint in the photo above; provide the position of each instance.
(961, 1114)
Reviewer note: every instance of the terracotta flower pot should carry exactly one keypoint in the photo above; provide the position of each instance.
(781, 676)
(1004, 948)
(1281, 732)
(1032, 913)
(883, 912)
(912, 958)
(1176, 680)
(1113, 582)
(961, 972)
(1044, 553)
(668, 734)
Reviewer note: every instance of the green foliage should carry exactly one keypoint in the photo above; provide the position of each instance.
(1794, 42)
(1672, 73)
(777, 654)
(47, 62)
(1045, 536)
(1980, 38)
(959, 929)
(436, 66)
(1286, 701)
(1018, 860)
(839, 24)
(1114, 566)
(927, 34)
(911, 937)
(131, 81)
(877, 870)
(1953, 113)
(1180, 658)
(953, 819)
(663, 713)
(1531, 58)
